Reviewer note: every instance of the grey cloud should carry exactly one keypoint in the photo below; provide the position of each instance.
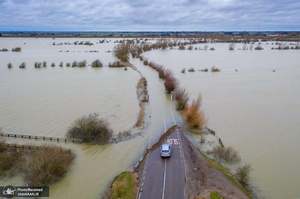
(150, 15)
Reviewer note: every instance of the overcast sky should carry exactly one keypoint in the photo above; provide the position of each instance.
(147, 15)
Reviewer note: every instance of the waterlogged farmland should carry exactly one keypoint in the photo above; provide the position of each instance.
(249, 96)
(46, 100)
(252, 103)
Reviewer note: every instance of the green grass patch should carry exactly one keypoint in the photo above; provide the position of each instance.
(214, 164)
(215, 195)
(124, 186)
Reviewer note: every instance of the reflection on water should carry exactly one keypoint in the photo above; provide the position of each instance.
(255, 110)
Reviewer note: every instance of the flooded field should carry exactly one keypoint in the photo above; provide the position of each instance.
(253, 104)
(46, 101)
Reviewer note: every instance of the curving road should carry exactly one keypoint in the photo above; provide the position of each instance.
(164, 178)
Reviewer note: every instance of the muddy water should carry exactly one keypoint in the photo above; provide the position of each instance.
(46, 101)
(255, 110)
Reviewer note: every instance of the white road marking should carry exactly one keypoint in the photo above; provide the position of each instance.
(173, 141)
(164, 183)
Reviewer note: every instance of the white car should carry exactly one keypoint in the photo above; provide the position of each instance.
(165, 151)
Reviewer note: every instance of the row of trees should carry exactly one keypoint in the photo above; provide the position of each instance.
(80, 64)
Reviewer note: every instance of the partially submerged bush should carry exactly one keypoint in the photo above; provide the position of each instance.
(161, 72)
(145, 62)
(181, 97)
(121, 51)
(194, 116)
(116, 64)
(243, 175)
(227, 154)
(82, 64)
(97, 64)
(47, 165)
(37, 65)
(9, 65)
(181, 47)
(215, 69)
(90, 129)
(53, 64)
(191, 70)
(61, 64)
(23, 65)
(16, 49)
(170, 82)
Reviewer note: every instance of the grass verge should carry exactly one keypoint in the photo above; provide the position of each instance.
(124, 186)
(214, 164)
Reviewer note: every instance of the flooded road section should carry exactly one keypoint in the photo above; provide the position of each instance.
(46, 101)
(253, 104)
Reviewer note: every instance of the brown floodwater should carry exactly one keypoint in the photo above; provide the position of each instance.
(47, 101)
(253, 104)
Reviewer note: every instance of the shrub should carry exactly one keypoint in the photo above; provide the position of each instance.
(47, 165)
(242, 175)
(116, 64)
(183, 70)
(181, 47)
(191, 70)
(121, 51)
(8, 159)
(194, 116)
(82, 64)
(53, 65)
(37, 65)
(9, 65)
(170, 82)
(61, 64)
(3, 50)
(90, 129)
(16, 49)
(74, 64)
(145, 62)
(97, 64)
(44, 64)
(227, 154)
(68, 64)
(23, 65)
(181, 97)
(215, 69)
(161, 72)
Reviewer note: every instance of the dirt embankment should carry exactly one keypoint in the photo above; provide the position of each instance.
(205, 176)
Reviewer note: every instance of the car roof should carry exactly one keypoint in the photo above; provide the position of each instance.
(165, 146)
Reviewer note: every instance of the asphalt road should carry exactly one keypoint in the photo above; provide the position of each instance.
(164, 178)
